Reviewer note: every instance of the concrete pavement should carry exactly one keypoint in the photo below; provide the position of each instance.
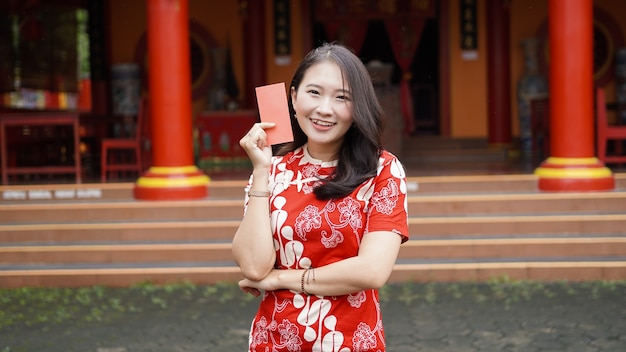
(471, 317)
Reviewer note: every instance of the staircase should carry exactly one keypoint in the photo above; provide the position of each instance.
(460, 156)
(461, 227)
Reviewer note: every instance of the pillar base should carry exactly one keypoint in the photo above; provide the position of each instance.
(574, 174)
(172, 183)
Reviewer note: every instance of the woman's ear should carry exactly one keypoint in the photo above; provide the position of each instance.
(293, 94)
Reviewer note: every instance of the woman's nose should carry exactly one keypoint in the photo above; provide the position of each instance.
(325, 106)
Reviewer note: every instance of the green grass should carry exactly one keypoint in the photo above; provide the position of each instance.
(31, 306)
(42, 306)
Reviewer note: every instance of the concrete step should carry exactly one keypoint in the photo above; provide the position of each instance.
(48, 193)
(515, 225)
(234, 189)
(461, 228)
(474, 270)
(438, 150)
(439, 143)
(232, 209)
(419, 227)
(521, 247)
(420, 249)
(116, 253)
(119, 231)
(518, 203)
(554, 270)
(121, 211)
(454, 156)
(117, 276)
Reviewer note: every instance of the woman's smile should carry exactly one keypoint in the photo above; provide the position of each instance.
(321, 123)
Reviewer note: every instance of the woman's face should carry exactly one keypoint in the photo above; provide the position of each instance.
(323, 107)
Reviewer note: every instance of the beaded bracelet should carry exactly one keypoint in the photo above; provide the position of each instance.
(302, 290)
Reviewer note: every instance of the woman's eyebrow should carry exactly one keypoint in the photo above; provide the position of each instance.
(315, 85)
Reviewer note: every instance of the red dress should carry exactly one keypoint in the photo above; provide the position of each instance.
(312, 233)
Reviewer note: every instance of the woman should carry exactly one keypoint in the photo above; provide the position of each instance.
(324, 220)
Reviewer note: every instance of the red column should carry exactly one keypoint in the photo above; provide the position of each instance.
(498, 77)
(572, 165)
(174, 175)
(253, 13)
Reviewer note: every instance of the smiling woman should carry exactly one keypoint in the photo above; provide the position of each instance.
(325, 217)
(202, 65)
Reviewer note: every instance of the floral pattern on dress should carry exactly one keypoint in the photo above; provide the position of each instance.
(385, 200)
(308, 220)
(289, 335)
(356, 299)
(364, 338)
(259, 333)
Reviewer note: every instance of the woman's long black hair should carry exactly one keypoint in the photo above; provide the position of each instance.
(362, 145)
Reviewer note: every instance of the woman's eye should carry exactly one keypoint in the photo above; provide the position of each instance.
(343, 97)
(313, 91)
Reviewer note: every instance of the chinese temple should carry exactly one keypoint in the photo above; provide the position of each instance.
(147, 100)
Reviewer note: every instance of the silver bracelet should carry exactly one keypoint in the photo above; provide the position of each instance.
(258, 194)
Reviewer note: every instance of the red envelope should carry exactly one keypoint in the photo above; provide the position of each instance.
(272, 101)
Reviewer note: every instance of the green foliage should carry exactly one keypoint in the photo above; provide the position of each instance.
(37, 306)
(502, 290)
(33, 307)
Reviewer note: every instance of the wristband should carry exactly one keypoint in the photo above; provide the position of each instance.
(258, 194)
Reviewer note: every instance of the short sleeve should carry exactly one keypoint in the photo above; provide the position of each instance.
(388, 203)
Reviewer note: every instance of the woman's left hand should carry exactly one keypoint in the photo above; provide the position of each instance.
(245, 287)
(255, 287)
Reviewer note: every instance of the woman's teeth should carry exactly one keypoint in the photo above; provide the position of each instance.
(322, 123)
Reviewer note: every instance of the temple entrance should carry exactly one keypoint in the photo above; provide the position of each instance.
(425, 82)
(377, 47)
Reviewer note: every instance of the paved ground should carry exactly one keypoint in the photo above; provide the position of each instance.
(489, 317)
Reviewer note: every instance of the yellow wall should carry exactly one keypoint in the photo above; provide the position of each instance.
(468, 79)
(282, 73)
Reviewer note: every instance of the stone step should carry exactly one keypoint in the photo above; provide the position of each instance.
(526, 203)
(454, 156)
(233, 189)
(552, 270)
(419, 227)
(437, 150)
(117, 276)
(121, 211)
(49, 193)
(231, 209)
(116, 253)
(422, 249)
(439, 143)
(119, 231)
(475, 226)
(526, 247)
(461, 228)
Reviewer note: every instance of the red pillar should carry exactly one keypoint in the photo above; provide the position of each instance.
(174, 175)
(253, 13)
(572, 165)
(499, 75)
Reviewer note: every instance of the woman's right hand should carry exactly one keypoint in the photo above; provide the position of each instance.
(254, 143)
